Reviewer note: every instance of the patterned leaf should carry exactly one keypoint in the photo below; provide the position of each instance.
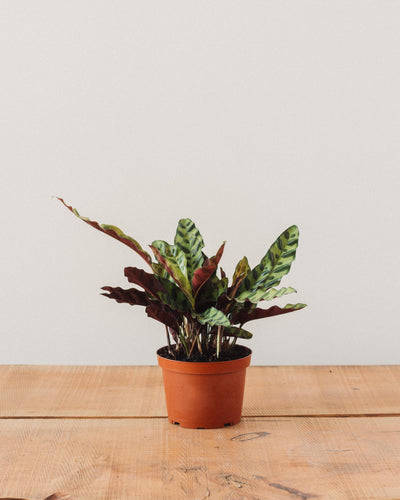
(189, 240)
(242, 316)
(131, 296)
(114, 232)
(163, 314)
(241, 271)
(145, 280)
(209, 293)
(213, 317)
(158, 270)
(174, 262)
(173, 296)
(233, 331)
(275, 264)
(202, 274)
(172, 252)
(260, 294)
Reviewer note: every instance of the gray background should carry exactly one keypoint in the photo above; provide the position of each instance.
(246, 116)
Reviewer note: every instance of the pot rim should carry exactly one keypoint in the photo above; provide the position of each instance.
(204, 367)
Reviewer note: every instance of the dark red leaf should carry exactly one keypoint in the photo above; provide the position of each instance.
(243, 316)
(131, 296)
(164, 314)
(126, 240)
(145, 280)
(202, 274)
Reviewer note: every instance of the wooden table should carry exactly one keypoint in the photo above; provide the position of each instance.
(100, 432)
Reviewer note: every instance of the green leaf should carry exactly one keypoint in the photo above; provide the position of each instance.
(213, 317)
(189, 240)
(260, 294)
(172, 252)
(233, 331)
(275, 264)
(114, 232)
(159, 270)
(241, 271)
(173, 297)
(174, 262)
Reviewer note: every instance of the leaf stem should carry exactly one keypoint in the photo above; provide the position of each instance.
(182, 337)
(169, 342)
(219, 341)
(194, 343)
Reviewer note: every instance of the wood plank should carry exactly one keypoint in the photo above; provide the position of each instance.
(128, 391)
(323, 390)
(260, 458)
(81, 391)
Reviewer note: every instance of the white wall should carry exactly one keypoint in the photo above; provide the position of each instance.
(247, 116)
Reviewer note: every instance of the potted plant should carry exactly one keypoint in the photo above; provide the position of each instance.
(203, 313)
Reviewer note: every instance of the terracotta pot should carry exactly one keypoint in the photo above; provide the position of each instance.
(204, 395)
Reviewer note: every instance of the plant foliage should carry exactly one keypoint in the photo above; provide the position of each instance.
(202, 313)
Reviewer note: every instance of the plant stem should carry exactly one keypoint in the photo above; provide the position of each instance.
(182, 337)
(186, 325)
(169, 342)
(199, 345)
(194, 343)
(219, 340)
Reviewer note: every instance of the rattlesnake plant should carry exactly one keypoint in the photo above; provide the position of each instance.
(203, 314)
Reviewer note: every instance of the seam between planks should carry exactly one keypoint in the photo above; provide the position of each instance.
(142, 417)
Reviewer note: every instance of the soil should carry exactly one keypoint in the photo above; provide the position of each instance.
(237, 352)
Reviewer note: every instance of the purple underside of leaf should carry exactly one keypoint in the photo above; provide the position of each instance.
(145, 280)
(113, 234)
(243, 317)
(202, 274)
(163, 314)
(130, 296)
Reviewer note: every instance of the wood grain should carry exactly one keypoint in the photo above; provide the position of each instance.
(132, 391)
(100, 432)
(260, 458)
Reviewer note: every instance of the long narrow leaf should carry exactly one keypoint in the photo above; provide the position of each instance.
(213, 317)
(163, 314)
(131, 296)
(275, 264)
(172, 259)
(241, 271)
(243, 317)
(233, 331)
(208, 295)
(173, 296)
(114, 232)
(259, 294)
(145, 280)
(190, 241)
(202, 274)
(173, 253)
